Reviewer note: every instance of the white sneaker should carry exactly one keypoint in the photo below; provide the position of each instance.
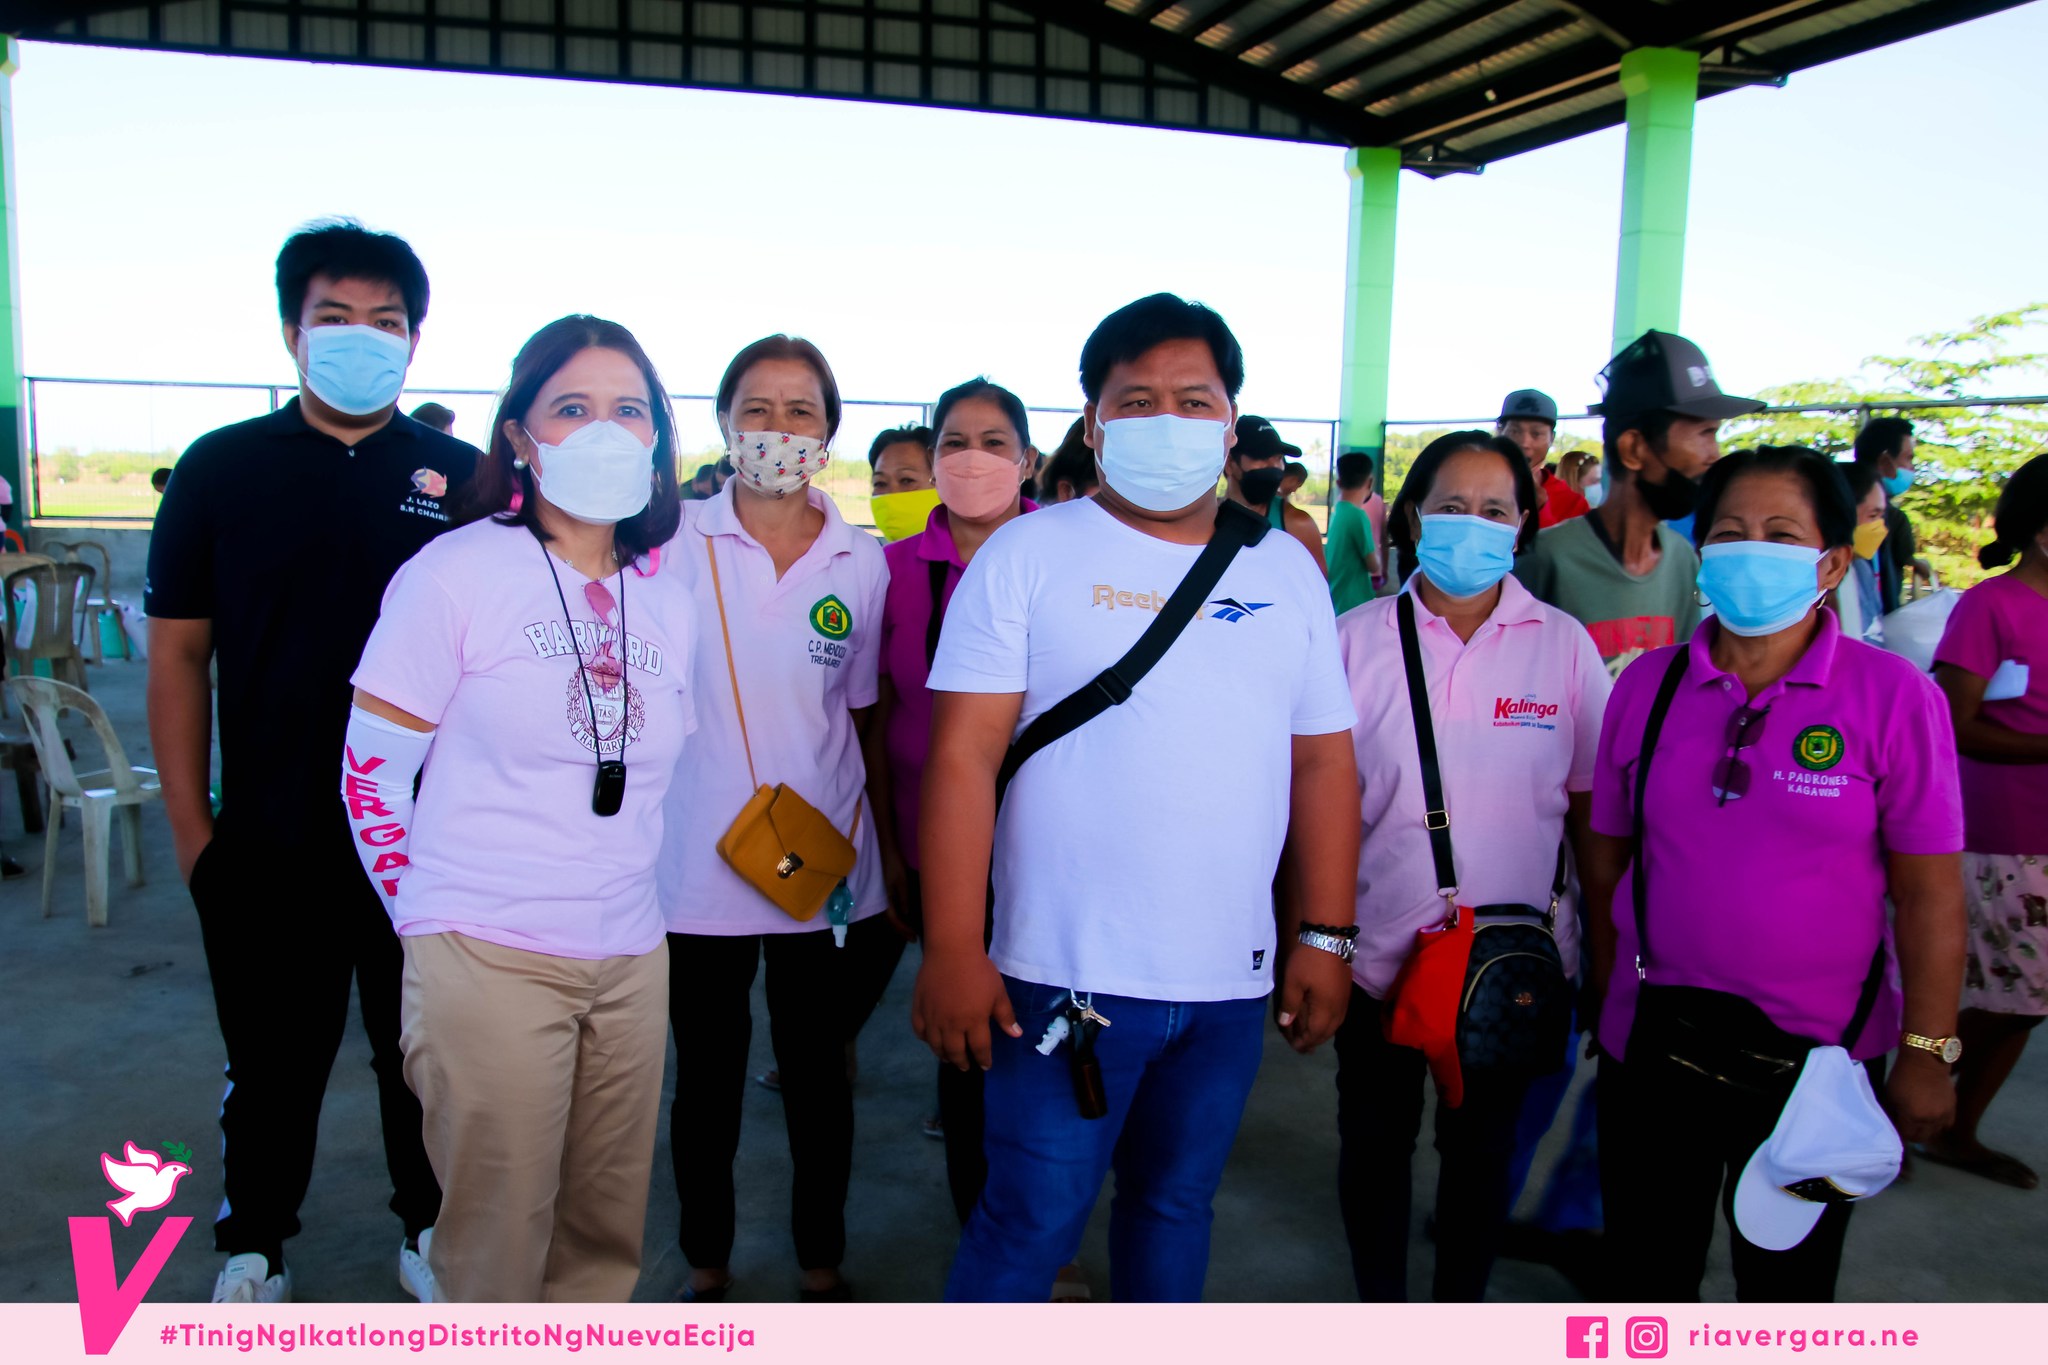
(247, 1279)
(415, 1276)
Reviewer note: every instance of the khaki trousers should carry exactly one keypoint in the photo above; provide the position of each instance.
(540, 1078)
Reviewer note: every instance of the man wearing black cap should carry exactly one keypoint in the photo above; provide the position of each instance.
(1629, 578)
(1528, 417)
(1252, 475)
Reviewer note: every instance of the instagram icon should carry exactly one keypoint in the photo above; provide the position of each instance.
(1585, 1338)
(1646, 1338)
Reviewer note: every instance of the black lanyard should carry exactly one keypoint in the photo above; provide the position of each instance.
(609, 793)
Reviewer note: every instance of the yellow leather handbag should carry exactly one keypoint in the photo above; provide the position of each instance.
(779, 843)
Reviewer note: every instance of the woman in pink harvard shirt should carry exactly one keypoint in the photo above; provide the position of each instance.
(1985, 663)
(1516, 690)
(1798, 781)
(538, 662)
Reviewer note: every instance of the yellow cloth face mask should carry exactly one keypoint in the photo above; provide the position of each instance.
(903, 514)
(1869, 537)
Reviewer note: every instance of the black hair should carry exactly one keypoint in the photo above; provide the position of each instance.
(489, 492)
(1861, 478)
(1656, 429)
(1073, 462)
(1354, 469)
(910, 433)
(780, 346)
(1881, 436)
(1137, 327)
(2022, 513)
(704, 471)
(435, 416)
(343, 249)
(159, 479)
(980, 387)
(1295, 469)
(1422, 477)
(1834, 511)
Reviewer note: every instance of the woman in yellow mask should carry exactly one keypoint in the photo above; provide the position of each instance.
(902, 494)
(1857, 599)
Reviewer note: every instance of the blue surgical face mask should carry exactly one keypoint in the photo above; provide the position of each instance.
(357, 370)
(1464, 556)
(1162, 463)
(1758, 587)
(1897, 483)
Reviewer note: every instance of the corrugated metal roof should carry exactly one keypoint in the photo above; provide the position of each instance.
(1455, 83)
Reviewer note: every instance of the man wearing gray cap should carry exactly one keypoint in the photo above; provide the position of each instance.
(1528, 417)
(1623, 573)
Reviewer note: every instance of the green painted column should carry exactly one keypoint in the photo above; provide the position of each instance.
(1368, 300)
(1662, 85)
(13, 416)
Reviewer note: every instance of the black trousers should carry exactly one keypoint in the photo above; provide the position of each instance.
(1380, 1090)
(286, 925)
(1672, 1145)
(818, 998)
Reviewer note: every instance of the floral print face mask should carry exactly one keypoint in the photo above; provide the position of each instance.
(775, 463)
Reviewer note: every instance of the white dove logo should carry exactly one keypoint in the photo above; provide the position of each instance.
(146, 1181)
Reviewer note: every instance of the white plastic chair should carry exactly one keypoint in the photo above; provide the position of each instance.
(95, 795)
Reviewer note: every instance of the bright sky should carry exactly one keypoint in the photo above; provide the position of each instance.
(1891, 194)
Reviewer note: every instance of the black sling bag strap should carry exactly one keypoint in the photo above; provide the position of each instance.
(1236, 528)
(1436, 817)
(937, 571)
(1667, 691)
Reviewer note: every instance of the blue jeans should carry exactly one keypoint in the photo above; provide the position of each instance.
(1177, 1075)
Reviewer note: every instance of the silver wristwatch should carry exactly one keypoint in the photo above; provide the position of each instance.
(1329, 943)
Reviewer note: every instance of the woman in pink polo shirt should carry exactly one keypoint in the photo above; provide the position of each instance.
(1797, 778)
(1985, 663)
(1516, 691)
(982, 445)
(790, 598)
(538, 662)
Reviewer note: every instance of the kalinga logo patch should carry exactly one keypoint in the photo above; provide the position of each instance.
(1524, 713)
(1818, 748)
(831, 619)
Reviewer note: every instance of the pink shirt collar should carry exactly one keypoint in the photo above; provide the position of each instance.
(936, 540)
(1812, 670)
(718, 517)
(1517, 606)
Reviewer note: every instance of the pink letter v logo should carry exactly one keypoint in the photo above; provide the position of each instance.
(104, 1303)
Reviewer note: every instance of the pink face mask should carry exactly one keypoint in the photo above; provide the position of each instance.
(976, 484)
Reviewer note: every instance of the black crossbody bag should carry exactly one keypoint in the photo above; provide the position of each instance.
(1696, 1031)
(1515, 1011)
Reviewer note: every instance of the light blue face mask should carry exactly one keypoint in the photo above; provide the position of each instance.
(1759, 587)
(357, 370)
(1165, 462)
(1897, 483)
(1464, 556)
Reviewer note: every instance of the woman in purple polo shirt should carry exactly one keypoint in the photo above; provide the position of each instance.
(1797, 778)
(980, 452)
(2000, 705)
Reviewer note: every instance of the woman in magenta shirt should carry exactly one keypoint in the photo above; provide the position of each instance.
(538, 662)
(1799, 779)
(982, 445)
(1516, 691)
(1986, 664)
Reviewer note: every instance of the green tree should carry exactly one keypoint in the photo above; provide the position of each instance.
(1965, 455)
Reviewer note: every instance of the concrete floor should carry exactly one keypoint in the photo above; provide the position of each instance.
(109, 1034)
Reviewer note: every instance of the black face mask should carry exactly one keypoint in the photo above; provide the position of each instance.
(1672, 499)
(1260, 485)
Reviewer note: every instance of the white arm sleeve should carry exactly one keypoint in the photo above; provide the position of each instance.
(379, 764)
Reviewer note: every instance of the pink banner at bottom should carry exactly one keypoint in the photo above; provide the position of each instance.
(187, 1334)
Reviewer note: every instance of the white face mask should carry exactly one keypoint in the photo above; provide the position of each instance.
(775, 463)
(1162, 463)
(601, 473)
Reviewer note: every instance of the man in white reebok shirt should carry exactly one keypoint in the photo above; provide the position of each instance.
(1169, 812)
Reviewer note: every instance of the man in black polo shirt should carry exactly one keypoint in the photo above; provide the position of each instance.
(270, 556)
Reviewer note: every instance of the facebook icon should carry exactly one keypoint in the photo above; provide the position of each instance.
(1585, 1338)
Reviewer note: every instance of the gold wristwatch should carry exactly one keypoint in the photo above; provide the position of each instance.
(1948, 1049)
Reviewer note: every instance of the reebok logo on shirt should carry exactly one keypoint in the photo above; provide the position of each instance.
(1222, 609)
(1230, 609)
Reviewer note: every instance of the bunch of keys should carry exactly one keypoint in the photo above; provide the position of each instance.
(839, 912)
(1082, 1024)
